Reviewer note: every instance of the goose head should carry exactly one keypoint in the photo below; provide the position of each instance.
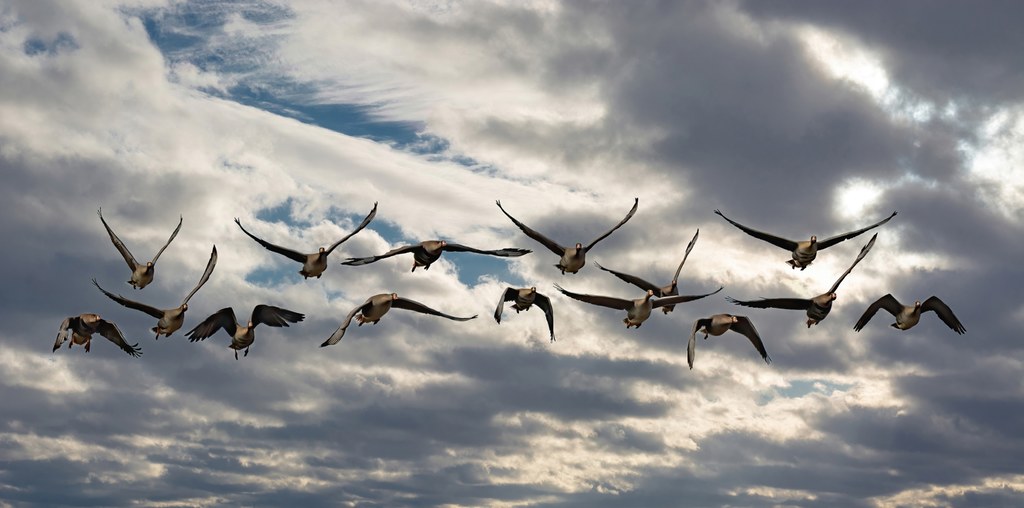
(149, 264)
(322, 250)
(831, 296)
(184, 307)
(394, 296)
(579, 246)
(533, 290)
(814, 239)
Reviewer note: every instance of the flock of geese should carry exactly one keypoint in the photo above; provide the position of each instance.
(571, 260)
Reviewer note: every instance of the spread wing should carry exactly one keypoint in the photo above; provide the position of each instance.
(407, 304)
(636, 203)
(340, 332)
(62, 332)
(206, 275)
(152, 311)
(505, 253)
(689, 247)
(789, 245)
(632, 279)
(366, 222)
(288, 253)
(113, 334)
(672, 300)
(774, 303)
(274, 316)
(174, 234)
(372, 259)
(944, 312)
(887, 302)
(547, 242)
(544, 303)
(224, 318)
(128, 258)
(691, 346)
(744, 326)
(509, 295)
(828, 242)
(863, 252)
(604, 301)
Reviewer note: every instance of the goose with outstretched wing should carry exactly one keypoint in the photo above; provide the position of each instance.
(909, 315)
(313, 265)
(242, 337)
(717, 325)
(168, 320)
(638, 310)
(803, 252)
(374, 308)
(142, 274)
(670, 289)
(817, 308)
(427, 252)
(83, 326)
(572, 258)
(524, 299)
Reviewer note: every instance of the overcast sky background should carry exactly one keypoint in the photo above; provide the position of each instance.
(796, 118)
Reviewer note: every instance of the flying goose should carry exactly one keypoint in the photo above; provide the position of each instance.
(803, 252)
(524, 298)
(142, 274)
(425, 253)
(818, 307)
(670, 289)
(717, 325)
(376, 306)
(313, 265)
(908, 315)
(83, 326)
(242, 336)
(637, 311)
(168, 320)
(573, 258)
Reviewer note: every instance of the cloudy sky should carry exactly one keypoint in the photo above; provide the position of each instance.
(797, 118)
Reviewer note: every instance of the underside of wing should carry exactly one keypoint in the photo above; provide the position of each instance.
(632, 279)
(372, 259)
(224, 318)
(672, 300)
(773, 303)
(152, 311)
(505, 253)
(863, 252)
(274, 316)
(290, 254)
(118, 244)
(887, 302)
(340, 332)
(828, 242)
(547, 242)
(744, 326)
(603, 301)
(206, 274)
(689, 247)
(169, 240)
(636, 203)
(366, 221)
(113, 334)
(789, 245)
(944, 312)
(407, 304)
